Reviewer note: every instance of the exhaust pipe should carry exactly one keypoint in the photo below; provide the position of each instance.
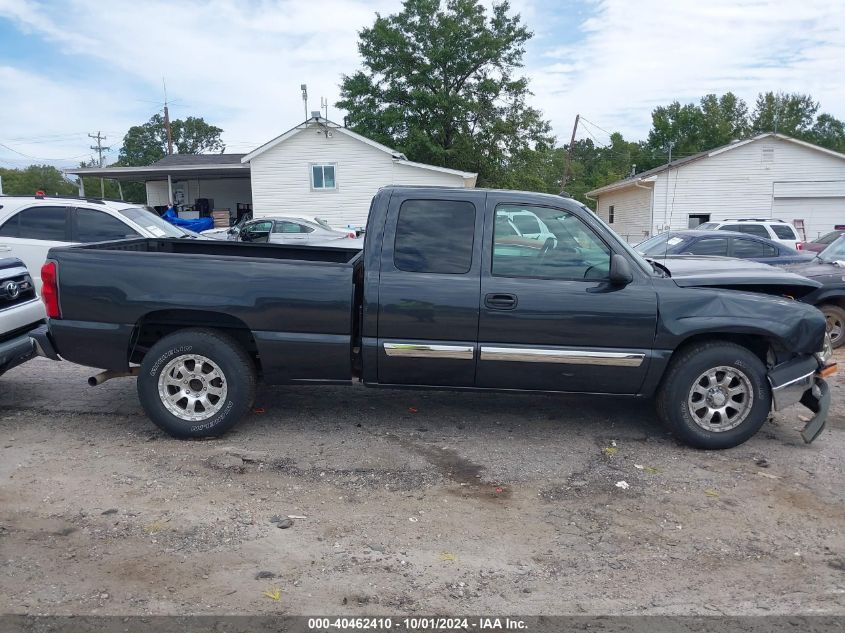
(103, 376)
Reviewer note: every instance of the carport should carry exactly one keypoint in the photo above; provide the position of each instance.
(194, 183)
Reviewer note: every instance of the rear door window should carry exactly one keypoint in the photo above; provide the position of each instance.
(435, 236)
(747, 249)
(708, 246)
(96, 226)
(752, 229)
(39, 223)
(784, 231)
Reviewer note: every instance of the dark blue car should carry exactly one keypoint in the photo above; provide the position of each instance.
(723, 244)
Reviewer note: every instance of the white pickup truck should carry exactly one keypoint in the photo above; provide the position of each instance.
(20, 312)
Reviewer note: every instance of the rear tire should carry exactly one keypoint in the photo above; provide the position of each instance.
(835, 319)
(714, 395)
(196, 383)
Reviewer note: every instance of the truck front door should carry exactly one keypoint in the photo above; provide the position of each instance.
(428, 289)
(549, 317)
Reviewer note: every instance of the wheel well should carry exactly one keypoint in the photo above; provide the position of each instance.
(758, 344)
(836, 301)
(156, 325)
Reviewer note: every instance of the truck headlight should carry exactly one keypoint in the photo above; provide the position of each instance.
(827, 351)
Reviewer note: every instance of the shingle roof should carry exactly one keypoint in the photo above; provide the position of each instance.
(198, 159)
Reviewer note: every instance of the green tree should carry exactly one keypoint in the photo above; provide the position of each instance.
(790, 114)
(694, 128)
(439, 83)
(26, 181)
(829, 132)
(724, 119)
(145, 144)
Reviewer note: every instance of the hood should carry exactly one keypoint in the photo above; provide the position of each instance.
(817, 268)
(736, 274)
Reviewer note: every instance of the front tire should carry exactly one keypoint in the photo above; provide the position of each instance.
(835, 321)
(196, 383)
(715, 395)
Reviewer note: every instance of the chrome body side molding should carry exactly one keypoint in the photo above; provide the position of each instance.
(416, 350)
(568, 357)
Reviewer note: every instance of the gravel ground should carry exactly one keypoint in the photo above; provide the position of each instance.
(407, 502)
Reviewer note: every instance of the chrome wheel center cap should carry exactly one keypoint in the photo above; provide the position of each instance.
(718, 398)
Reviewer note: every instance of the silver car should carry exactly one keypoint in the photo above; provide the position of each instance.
(292, 230)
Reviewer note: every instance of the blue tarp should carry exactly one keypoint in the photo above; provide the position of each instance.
(198, 225)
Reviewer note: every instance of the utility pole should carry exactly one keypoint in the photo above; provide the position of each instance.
(324, 106)
(167, 121)
(100, 148)
(567, 165)
(666, 227)
(304, 89)
(167, 130)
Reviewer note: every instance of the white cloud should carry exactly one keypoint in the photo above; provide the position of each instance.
(46, 121)
(240, 64)
(636, 55)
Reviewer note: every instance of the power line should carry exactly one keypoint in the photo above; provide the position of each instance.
(14, 151)
(596, 126)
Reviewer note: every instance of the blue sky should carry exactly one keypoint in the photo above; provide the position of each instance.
(73, 67)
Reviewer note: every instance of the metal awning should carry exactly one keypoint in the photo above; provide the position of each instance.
(161, 172)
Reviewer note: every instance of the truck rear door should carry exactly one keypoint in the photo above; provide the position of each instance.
(549, 318)
(429, 289)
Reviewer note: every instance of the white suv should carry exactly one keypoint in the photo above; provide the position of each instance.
(776, 230)
(31, 226)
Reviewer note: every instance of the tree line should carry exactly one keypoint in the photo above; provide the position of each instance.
(440, 82)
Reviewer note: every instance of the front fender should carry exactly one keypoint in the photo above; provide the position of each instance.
(795, 327)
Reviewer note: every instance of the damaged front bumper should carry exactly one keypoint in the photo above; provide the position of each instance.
(801, 380)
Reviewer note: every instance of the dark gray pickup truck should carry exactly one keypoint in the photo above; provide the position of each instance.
(455, 289)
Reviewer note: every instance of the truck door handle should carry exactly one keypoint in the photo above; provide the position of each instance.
(500, 301)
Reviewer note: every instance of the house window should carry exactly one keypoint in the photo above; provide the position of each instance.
(323, 177)
(610, 214)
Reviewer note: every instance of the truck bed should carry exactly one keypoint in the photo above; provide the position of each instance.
(296, 303)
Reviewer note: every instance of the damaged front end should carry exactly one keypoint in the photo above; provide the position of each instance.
(802, 380)
(727, 297)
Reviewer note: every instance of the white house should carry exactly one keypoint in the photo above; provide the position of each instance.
(318, 168)
(322, 169)
(768, 176)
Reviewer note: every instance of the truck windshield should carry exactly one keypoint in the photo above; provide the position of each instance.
(150, 222)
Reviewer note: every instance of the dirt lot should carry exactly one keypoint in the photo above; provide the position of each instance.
(414, 503)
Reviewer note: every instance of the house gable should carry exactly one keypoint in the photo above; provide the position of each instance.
(281, 174)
